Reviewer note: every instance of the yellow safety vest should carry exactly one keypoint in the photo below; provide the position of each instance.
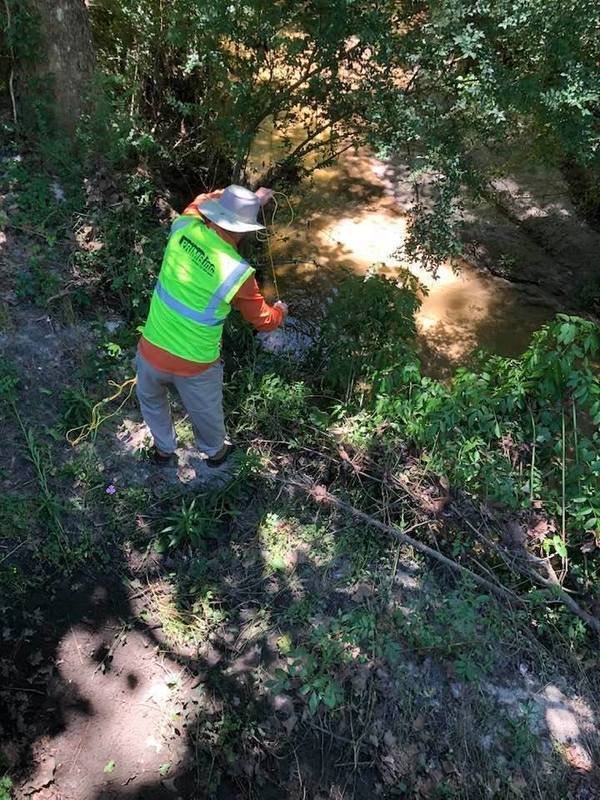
(199, 276)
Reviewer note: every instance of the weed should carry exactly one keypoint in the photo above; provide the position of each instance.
(188, 526)
(16, 513)
(37, 283)
(461, 626)
(6, 786)
(299, 612)
(185, 432)
(268, 400)
(312, 671)
(521, 742)
(76, 408)
(9, 381)
(49, 504)
(363, 346)
(317, 669)
(275, 535)
(364, 549)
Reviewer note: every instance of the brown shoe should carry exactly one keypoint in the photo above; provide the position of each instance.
(221, 456)
(162, 459)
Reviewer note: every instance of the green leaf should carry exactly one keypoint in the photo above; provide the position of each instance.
(559, 546)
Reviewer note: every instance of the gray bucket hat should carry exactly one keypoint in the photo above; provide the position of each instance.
(236, 210)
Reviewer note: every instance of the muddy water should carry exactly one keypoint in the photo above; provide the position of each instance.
(352, 215)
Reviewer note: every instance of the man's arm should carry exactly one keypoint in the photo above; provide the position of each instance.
(254, 308)
(201, 198)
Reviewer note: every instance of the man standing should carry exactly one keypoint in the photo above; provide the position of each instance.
(201, 278)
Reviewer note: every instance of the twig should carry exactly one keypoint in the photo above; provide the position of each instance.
(566, 599)
(11, 76)
(14, 550)
(76, 645)
(552, 582)
(321, 495)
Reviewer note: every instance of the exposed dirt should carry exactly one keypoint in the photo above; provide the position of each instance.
(89, 697)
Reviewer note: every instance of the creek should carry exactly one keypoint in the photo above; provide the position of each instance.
(353, 214)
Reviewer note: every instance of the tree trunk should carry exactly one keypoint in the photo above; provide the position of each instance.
(66, 56)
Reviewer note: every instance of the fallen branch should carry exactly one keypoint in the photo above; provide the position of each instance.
(321, 495)
(555, 587)
(552, 583)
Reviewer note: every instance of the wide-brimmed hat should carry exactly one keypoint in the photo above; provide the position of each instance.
(235, 210)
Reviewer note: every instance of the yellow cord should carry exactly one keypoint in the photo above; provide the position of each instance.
(96, 419)
(268, 241)
(265, 237)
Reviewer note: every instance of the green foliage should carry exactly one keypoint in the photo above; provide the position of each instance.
(521, 742)
(185, 91)
(481, 77)
(206, 77)
(313, 670)
(189, 525)
(9, 380)
(6, 786)
(318, 668)
(461, 626)
(269, 399)
(367, 335)
(192, 523)
(76, 408)
(131, 247)
(523, 432)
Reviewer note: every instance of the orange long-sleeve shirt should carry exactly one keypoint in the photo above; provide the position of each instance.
(248, 301)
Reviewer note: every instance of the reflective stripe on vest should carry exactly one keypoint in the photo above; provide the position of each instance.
(179, 223)
(208, 316)
(199, 277)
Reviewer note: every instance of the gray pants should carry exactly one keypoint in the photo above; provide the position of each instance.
(202, 396)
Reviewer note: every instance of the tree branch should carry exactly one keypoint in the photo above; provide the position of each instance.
(320, 495)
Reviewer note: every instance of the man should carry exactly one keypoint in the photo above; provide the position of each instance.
(201, 278)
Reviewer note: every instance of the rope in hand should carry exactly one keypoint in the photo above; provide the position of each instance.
(265, 237)
(77, 435)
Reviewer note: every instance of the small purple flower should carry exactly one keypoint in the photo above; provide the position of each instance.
(111, 489)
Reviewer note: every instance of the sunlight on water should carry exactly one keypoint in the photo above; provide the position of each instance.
(351, 216)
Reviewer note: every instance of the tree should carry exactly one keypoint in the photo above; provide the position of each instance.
(458, 86)
(65, 56)
(446, 80)
(486, 83)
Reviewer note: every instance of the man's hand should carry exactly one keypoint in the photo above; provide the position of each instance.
(282, 306)
(264, 195)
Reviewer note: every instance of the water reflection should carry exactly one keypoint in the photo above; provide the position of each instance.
(352, 215)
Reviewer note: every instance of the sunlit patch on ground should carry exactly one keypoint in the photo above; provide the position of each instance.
(121, 702)
(565, 724)
(129, 464)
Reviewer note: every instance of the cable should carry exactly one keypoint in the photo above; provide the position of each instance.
(268, 241)
(96, 420)
(264, 236)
